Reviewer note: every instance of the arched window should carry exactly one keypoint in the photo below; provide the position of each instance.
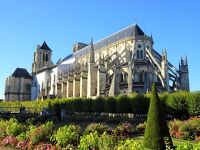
(121, 77)
(141, 54)
(43, 57)
(138, 54)
(47, 57)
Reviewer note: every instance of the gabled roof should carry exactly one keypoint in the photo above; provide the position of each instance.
(138, 30)
(132, 30)
(21, 73)
(45, 46)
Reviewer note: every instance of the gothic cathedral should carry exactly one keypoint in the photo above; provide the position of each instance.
(120, 63)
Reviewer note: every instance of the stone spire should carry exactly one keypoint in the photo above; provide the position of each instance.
(165, 69)
(92, 74)
(91, 52)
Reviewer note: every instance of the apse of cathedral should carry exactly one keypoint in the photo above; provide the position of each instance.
(123, 62)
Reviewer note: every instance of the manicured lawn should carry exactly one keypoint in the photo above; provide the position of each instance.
(176, 142)
(181, 142)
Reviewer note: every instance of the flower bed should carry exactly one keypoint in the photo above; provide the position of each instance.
(187, 130)
(96, 136)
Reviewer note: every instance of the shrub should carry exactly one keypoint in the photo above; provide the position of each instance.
(123, 104)
(188, 130)
(98, 105)
(110, 105)
(94, 141)
(156, 127)
(130, 145)
(107, 142)
(68, 106)
(139, 103)
(22, 136)
(123, 130)
(140, 127)
(87, 105)
(77, 103)
(89, 141)
(96, 127)
(174, 128)
(41, 133)
(3, 126)
(177, 104)
(194, 103)
(57, 110)
(67, 135)
(14, 128)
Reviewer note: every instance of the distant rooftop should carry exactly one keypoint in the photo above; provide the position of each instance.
(21, 73)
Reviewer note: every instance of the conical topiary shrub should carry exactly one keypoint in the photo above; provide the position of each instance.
(156, 132)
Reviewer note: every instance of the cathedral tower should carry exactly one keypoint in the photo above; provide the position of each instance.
(42, 58)
(184, 74)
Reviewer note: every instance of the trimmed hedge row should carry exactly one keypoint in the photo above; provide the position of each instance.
(120, 104)
(178, 104)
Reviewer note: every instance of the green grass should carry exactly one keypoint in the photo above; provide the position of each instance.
(176, 142)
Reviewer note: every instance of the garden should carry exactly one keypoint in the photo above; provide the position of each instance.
(96, 136)
(107, 123)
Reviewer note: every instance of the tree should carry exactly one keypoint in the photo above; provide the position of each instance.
(156, 132)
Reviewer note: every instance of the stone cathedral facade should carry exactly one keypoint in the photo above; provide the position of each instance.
(122, 62)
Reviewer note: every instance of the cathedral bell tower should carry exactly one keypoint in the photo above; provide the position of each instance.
(184, 74)
(42, 58)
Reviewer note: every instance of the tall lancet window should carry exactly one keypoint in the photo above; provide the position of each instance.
(138, 54)
(47, 57)
(141, 54)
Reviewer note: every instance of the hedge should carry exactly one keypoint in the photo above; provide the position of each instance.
(177, 104)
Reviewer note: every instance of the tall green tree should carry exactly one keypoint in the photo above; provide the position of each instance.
(156, 134)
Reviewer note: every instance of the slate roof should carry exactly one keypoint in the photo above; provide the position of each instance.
(21, 72)
(45, 46)
(132, 30)
(67, 57)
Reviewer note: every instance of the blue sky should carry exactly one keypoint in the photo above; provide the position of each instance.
(174, 24)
